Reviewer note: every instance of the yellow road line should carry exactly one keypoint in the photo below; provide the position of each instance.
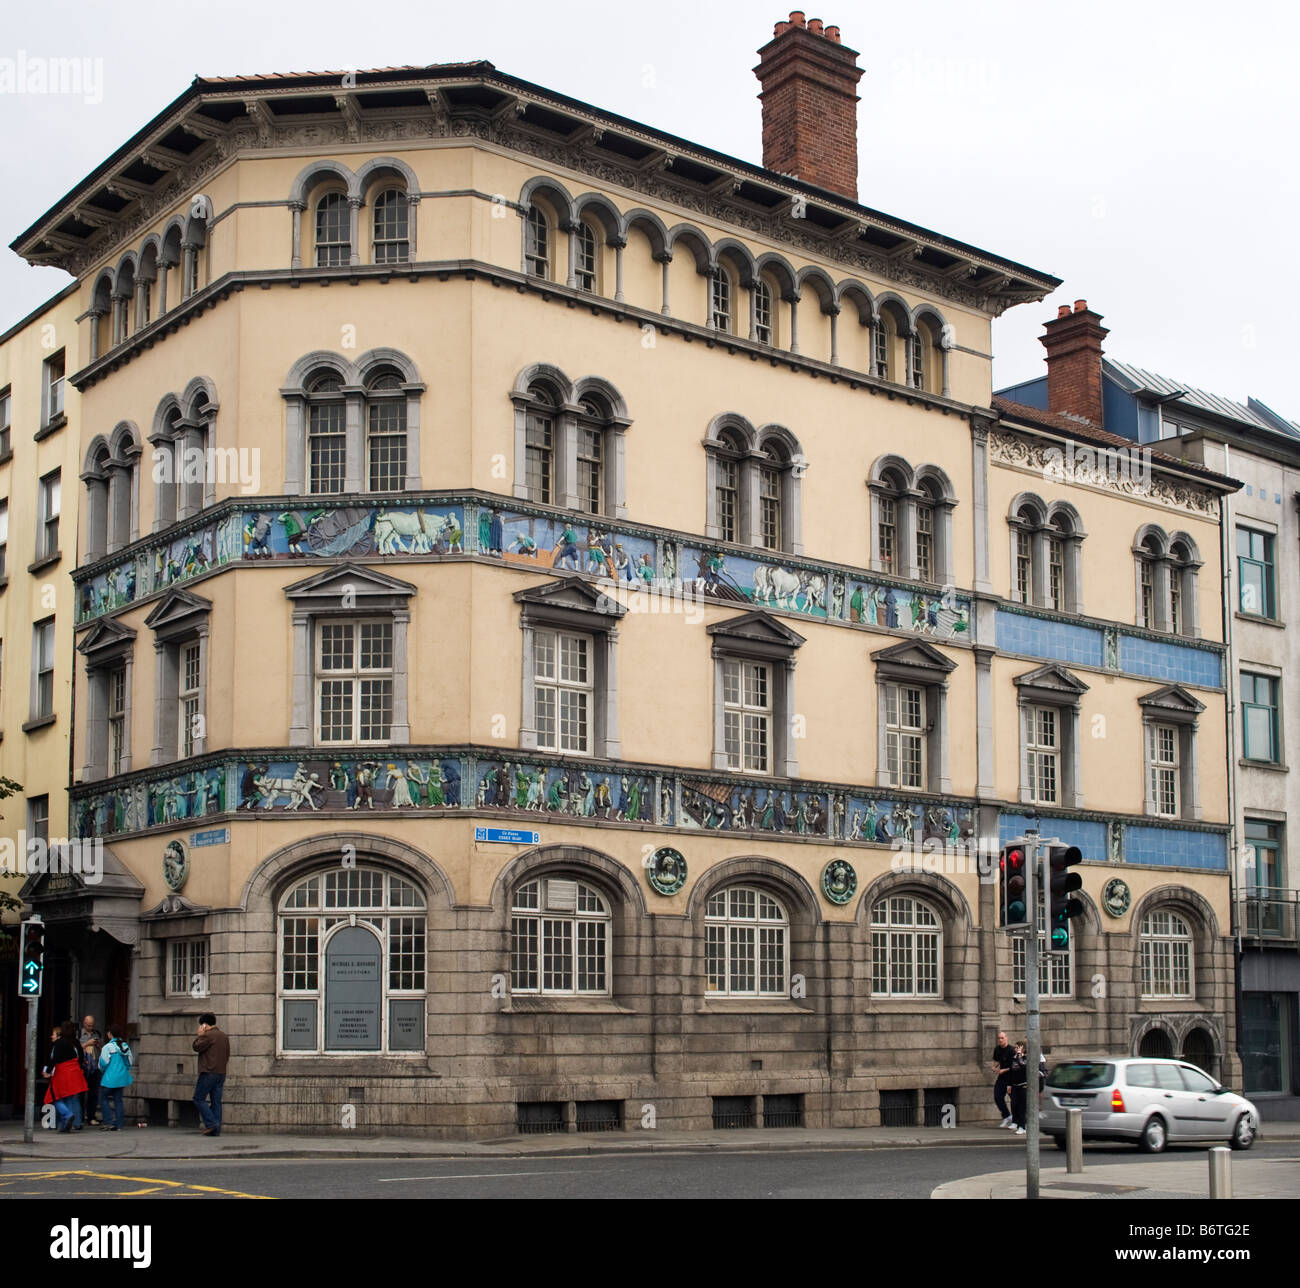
(144, 1180)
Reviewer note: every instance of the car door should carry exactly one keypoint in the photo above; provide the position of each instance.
(1173, 1099)
(1213, 1112)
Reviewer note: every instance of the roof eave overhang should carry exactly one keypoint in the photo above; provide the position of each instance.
(199, 110)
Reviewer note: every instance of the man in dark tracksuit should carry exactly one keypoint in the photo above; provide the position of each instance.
(1003, 1054)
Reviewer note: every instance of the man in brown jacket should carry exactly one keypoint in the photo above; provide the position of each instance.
(213, 1047)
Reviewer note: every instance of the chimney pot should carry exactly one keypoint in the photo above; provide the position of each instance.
(1080, 306)
(1063, 311)
(809, 96)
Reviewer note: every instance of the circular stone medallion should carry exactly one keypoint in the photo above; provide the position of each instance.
(1117, 897)
(839, 881)
(666, 870)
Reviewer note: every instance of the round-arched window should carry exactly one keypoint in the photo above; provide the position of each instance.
(906, 949)
(559, 939)
(746, 944)
(352, 961)
(1166, 944)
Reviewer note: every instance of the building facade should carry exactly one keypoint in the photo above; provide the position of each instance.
(573, 611)
(39, 488)
(1250, 441)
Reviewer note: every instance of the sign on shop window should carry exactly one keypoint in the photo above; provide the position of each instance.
(353, 990)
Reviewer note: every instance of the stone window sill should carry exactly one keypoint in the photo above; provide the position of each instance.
(751, 1006)
(564, 1006)
(40, 722)
(6, 457)
(1259, 620)
(916, 1005)
(52, 428)
(1271, 766)
(47, 561)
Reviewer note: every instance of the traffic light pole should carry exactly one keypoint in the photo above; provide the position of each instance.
(1033, 1038)
(29, 1113)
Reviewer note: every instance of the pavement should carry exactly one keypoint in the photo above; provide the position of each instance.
(1182, 1173)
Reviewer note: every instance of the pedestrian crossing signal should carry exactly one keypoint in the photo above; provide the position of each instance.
(31, 957)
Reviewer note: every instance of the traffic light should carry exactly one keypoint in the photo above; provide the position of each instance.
(1013, 897)
(31, 956)
(1058, 884)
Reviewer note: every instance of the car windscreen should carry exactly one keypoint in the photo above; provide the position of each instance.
(1082, 1074)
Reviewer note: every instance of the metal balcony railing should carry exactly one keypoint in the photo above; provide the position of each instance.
(1271, 916)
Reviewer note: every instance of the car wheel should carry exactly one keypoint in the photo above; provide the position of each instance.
(1153, 1136)
(1243, 1134)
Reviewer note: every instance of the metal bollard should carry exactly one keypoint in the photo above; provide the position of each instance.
(1073, 1141)
(1220, 1172)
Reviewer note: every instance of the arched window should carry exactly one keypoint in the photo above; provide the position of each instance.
(1179, 560)
(540, 428)
(390, 226)
(722, 300)
(326, 434)
(537, 242)
(333, 230)
(592, 421)
(906, 949)
(771, 487)
(1056, 534)
(889, 500)
(746, 944)
(890, 343)
(731, 452)
(96, 481)
(1166, 949)
(1148, 560)
(559, 939)
(586, 257)
(764, 312)
(386, 434)
(144, 284)
(167, 454)
(124, 299)
(925, 530)
(1027, 521)
(352, 963)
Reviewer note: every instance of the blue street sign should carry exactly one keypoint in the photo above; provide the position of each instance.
(505, 836)
(214, 836)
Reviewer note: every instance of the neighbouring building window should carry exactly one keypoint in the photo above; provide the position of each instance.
(6, 421)
(50, 502)
(1259, 707)
(1166, 949)
(1264, 855)
(43, 669)
(906, 949)
(564, 684)
(1255, 572)
(38, 817)
(373, 923)
(4, 540)
(187, 968)
(746, 944)
(354, 681)
(52, 395)
(559, 939)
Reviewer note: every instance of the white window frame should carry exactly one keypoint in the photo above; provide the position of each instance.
(545, 905)
(739, 713)
(43, 644)
(551, 641)
(724, 942)
(189, 695)
(1042, 752)
(764, 312)
(890, 935)
(53, 387)
(1165, 767)
(357, 676)
(898, 735)
(537, 243)
(586, 257)
(391, 248)
(1177, 942)
(50, 506)
(119, 748)
(329, 254)
(722, 300)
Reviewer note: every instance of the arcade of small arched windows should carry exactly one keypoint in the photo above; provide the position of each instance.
(1165, 567)
(578, 241)
(112, 479)
(911, 520)
(142, 287)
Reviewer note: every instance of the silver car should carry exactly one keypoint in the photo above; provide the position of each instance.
(1153, 1102)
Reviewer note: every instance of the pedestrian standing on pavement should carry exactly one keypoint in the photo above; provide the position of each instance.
(115, 1073)
(91, 1041)
(66, 1072)
(1018, 1062)
(213, 1047)
(1003, 1054)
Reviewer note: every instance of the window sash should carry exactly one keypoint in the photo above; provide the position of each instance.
(925, 542)
(1044, 754)
(326, 447)
(537, 237)
(386, 443)
(770, 503)
(564, 691)
(44, 669)
(590, 468)
(354, 676)
(1056, 573)
(905, 735)
(391, 228)
(887, 531)
(585, 258)
(747, 715)
(1162, 743)
(1024, 565)
(539, 457)
(728, 499)
(762, 312)
(721, 298)
(333, 233)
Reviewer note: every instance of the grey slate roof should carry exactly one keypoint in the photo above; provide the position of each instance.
(1252, 413)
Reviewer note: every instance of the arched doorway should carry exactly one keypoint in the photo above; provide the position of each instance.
(1155, 1042)
(1198, 1049)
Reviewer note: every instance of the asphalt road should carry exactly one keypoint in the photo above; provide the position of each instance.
(879, 1173)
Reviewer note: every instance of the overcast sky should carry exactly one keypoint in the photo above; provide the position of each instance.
(1146, 153)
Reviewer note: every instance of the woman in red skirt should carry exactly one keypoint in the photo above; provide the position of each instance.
(67, 1079)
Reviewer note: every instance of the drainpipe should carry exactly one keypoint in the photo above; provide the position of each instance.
(1230, 688)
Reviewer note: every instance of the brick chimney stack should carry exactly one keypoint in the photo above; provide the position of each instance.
(1073, 343)
(810, 105)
